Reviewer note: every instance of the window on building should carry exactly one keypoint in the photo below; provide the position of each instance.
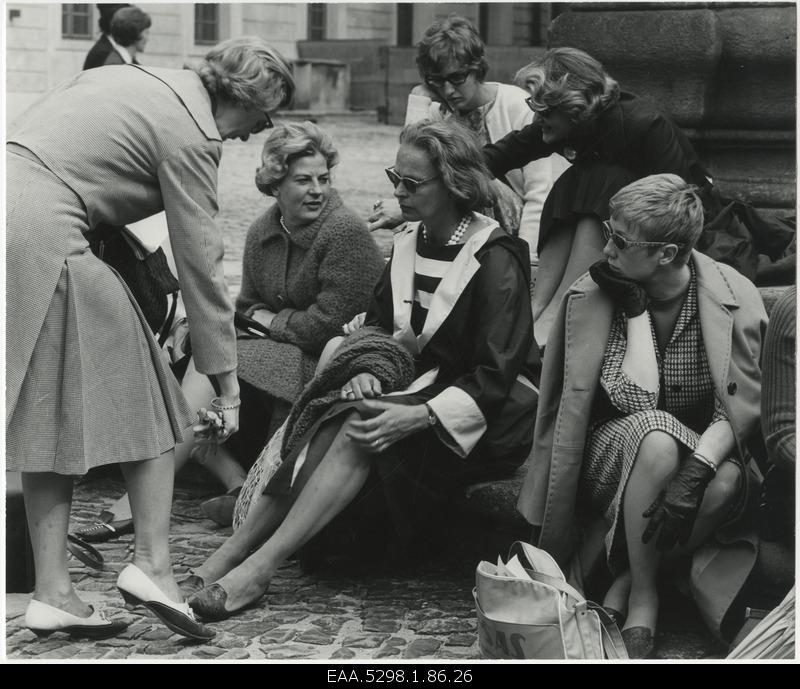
(76, 21)
(405, 24)
(206, 24)
(483, 21)
(316, 21)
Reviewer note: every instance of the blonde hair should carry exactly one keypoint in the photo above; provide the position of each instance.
(249, 72)
(662, 208)
(571, 81)
(456, 154)
(285, 144)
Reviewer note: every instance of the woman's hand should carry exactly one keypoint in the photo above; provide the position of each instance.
(355, 324)
(364, 385)
(675, 509)
(627, 293)
(382, 218)
(392, 423)
(263, 316)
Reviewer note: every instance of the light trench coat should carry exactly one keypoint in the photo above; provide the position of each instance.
(733, 322)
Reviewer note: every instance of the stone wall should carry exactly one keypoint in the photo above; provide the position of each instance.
(724, 72)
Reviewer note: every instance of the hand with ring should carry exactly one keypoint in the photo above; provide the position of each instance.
(388, 424)
(362, 386)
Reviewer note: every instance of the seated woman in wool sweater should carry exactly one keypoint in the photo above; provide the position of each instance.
(453, 303)
(309, 266)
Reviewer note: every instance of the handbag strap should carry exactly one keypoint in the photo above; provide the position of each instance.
(84, 552)
(613, 644)
(163, 334)
(559, 584)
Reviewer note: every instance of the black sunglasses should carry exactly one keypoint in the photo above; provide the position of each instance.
(455, 78)
(621, 243)
(542, 112)
(261, 126)
(410, 184)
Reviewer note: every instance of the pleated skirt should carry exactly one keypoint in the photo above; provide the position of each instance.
(86, 383)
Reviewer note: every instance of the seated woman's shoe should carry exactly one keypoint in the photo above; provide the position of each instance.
(210, 604)
(138, 589)
(106, 529)
(43, 619)
(191, 585)
(220, 509)
(639, 642)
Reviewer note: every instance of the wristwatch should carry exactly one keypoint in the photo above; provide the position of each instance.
(432, 418)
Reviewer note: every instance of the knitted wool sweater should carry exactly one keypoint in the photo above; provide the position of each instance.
(314, 280)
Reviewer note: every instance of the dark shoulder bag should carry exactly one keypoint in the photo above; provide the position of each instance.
(147, 274)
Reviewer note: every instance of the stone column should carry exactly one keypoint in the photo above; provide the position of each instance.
(724, 72)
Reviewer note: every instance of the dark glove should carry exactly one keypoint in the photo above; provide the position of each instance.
(676, 507)
(630, 295)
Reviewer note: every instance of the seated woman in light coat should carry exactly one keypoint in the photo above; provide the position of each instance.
(454, 301)
(650, 395)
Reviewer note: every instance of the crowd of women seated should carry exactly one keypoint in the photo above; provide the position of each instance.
(649, 393)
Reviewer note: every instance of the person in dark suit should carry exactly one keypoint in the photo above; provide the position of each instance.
(96, 57)
(130, 31)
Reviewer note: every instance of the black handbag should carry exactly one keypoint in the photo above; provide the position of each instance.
(735, 233)
(147, 274)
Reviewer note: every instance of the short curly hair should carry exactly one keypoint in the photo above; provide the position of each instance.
(285, 144)
(127, 25)
(249, 72)
(456, 153)
(571, 81)
(453, 38)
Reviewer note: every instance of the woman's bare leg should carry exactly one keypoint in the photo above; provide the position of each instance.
(586, 247)
(332, 487)
(656, 462)
(48, 498)
(199, 393)
(327, 352)
(150, 489)
(265, 516)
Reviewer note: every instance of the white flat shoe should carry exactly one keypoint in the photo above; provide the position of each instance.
(43, 619)
(138, 589)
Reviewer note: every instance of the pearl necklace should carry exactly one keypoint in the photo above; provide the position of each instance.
(283, 225)
(458, 233)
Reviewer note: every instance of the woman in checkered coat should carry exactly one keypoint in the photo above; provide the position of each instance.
(86, 385)
(650, 395)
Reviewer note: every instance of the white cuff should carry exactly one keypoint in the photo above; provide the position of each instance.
(460, 417)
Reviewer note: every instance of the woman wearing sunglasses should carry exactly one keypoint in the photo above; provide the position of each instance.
(455, 298)
(610, 139)
(452, 64)
(86, 382)
(649, 399)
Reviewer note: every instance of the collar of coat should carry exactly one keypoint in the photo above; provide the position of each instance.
(302, 236)
(710, 282)
(451, 287)
(186, 85)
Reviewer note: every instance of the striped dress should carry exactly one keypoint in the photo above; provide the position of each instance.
(430, 265)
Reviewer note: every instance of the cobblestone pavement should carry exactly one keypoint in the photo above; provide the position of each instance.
(344, 610)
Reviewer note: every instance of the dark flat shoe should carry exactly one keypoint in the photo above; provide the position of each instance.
(210, 604)
(138, 589)
(639, 642)
(220, 509)
(616, 615)
(191, 585)
(105, 529)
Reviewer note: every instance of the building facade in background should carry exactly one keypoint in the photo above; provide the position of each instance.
(46, 43)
